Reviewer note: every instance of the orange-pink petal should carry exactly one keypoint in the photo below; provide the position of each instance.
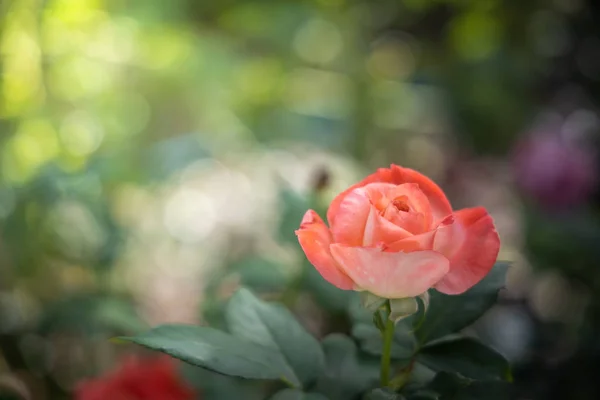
(424, 241)
(391, 275)
(440, 206)
(380, 230)
(470, 241)
(381, 175)
(351, 219)
(314, 238)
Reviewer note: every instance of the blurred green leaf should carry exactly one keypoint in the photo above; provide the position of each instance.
(261, 274)
(218, 351)
(215, 386)
(294, 394)
(346, 376)
(274, 327)
(383, 394)
(447, 386)
(466, 356)
(403, 346)
(450, 314)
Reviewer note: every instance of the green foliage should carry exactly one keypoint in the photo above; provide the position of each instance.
(274, 327)
(295, 394)
(383, 394)
(219, 351)
(449, 314)
(267, 343)
(451, 386)
(466, 356)
(403, 346)
(346, 374)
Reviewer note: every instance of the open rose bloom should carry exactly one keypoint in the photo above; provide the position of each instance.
(395, 235)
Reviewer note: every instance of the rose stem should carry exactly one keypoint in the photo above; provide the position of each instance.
(386, 355)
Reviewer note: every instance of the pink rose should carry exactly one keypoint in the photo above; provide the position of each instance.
(395, 235)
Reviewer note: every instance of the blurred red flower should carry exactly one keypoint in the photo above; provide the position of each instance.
(138, 379)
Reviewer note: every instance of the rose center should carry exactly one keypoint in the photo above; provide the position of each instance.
(400, 203)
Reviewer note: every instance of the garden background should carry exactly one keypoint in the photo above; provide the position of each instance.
(157, 155)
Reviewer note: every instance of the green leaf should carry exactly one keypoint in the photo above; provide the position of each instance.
(403, 346)
(346, 374)
(261, 274)
(383, 394)
(215, 386)
(466, 356)
(450, 314)
(273, 326)
(449, 386)
(295, 394)
(215, 350)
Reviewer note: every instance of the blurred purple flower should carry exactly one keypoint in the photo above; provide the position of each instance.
(553, 170)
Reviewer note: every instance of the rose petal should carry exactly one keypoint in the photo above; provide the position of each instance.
(391, 275)
(471, 243)
(380, 230)
(351, 219)
(440, 206)
(314, 238)
(381, 175)
(423, 241)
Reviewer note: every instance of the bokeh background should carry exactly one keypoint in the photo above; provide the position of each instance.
(156, 155)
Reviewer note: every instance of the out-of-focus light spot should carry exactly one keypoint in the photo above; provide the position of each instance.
(318, 41)
(579, 125)
(392, 59)
(588, 58)
(164, 48)
(114, 41)
(76, 78)
(77, 232)
(548, 32)
(510, 330)
(553, 298)
(260, 80)
(395, 105)
(129, 202)
(80, 133)
(74, 12)
(65, 28)
(33, 144)
(124, 114)
(319, 93)
(189, 215)
(20, 84)
(475, 35)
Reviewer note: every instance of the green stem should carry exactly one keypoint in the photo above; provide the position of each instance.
(386, 356)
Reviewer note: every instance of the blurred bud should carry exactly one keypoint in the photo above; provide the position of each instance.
(321, 179)
(554, 171)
